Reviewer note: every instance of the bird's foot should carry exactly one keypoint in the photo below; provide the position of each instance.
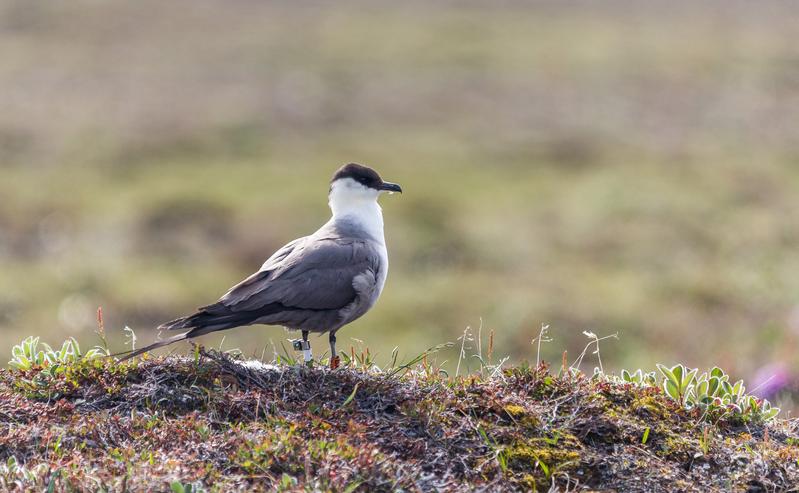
(335, 361)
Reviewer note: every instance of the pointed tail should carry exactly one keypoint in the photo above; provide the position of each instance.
(132, 354)
(208, 319)
(199, 324)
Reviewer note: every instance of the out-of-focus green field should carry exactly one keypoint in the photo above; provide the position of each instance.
(613, 166)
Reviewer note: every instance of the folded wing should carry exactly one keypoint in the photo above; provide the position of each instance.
(315, 275)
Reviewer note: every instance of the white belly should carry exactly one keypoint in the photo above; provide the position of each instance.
(382, 274)
(368, 286)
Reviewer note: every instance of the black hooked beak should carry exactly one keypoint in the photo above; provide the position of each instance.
(390, 187)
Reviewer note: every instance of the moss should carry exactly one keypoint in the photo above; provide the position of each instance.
(654, 406)
(529, 482)
(514, 410)
(521, 416)
(677, 446)
(544, 455)
(538, 459)
(613, 413)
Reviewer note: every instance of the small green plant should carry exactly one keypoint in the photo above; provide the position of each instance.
(499, 452)
(287, 483)
(705, 440)
(421, 358)
(678, 382)
(180, 487)
(31, 353)
(713, 394)
(639, 378)
(13, 474)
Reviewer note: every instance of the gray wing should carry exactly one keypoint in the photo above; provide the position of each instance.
(310, 273)
(252, 284)
(277, 257)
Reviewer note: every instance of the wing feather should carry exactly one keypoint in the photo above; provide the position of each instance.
(312, 274)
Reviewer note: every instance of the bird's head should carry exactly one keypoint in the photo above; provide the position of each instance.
(354, 183)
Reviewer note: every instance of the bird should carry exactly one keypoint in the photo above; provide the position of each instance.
(318, 283)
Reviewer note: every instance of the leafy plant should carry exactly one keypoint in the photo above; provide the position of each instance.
(678, 381)
(287, 483)
(713, 394)
(13, 474)
(639, 378)
(31, 353)
(180, 487)
(710, 392)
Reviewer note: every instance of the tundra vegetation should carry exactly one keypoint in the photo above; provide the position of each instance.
(214, 421)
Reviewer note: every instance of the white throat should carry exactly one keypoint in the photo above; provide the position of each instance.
(351, 201)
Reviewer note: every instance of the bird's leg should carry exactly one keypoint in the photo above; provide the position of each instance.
(334, 359)
(305, 347)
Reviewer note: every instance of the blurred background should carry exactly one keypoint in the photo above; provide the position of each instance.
(619, 167)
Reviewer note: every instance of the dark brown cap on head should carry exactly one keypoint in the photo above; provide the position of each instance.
(365, 176)
(362, 174)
